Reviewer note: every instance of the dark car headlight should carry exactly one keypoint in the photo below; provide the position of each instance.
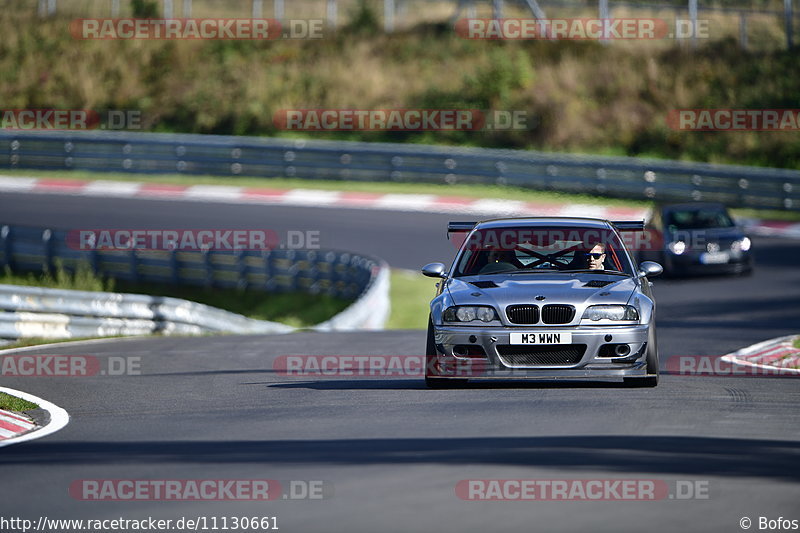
(741, 245)
(677, 247)
(470, 313)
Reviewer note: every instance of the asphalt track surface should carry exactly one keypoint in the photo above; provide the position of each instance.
(391, 452)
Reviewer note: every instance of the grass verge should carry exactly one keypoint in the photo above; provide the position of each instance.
(36, 341)
(796, 343)
(12, 403)
(410, 294)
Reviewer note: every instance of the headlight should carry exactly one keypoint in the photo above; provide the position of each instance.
(468, 313)
(677, 247)
(742, 244)
(611, 312)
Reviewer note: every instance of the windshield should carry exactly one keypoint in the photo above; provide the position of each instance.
(698, 219)
(542, 249)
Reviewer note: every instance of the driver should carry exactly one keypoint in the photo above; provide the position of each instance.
(596, 257)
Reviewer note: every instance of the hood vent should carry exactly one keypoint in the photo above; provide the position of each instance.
(485, 284)
(598, 283)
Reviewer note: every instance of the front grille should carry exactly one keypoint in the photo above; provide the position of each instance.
(516, 355)
(523, 314)
(557, 314)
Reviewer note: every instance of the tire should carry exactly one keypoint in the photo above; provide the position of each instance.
(430, 359)
(651, 380)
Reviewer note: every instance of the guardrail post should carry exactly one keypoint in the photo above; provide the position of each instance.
(497, 9)
(187, 9)
(94, 260)
(7, 241)
(114, 8)
(388, 15)
(174, 268)
(47, 243)
(209, 281)
(168, 13)
(265, 255)
(278, 11)
(742, 30)
(789, 16)
(332, 13)
(241, 269)
(134, 266)
(258, 9)
(603, 14)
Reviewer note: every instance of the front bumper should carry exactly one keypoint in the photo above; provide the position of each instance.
(691, 263)
(591, 364)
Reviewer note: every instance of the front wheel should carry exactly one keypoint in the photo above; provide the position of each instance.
(651, 380)
(431, 368)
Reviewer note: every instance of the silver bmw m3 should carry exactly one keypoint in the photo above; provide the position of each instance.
(546, 298)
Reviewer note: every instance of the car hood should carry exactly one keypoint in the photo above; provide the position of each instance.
(578, 289)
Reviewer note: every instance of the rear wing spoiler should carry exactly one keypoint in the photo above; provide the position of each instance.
(629, 225)
(459, 227)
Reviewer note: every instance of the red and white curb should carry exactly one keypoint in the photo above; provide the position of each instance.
(773, 228)
(13, 425)
(777, 354)
(311, 197)
(430, 203)
(29, 431)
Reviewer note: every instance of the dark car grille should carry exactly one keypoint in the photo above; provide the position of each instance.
(557, 314)
(515, 355)
(523, 314)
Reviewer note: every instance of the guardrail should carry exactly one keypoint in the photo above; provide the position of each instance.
(77, 313)
(63, 314)
(621, 177)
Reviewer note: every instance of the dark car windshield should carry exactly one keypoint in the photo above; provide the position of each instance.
(703, 218)
(542, 249)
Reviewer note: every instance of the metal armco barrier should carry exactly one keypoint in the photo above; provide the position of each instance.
(621, 177)
(55, 313)
(33, 311)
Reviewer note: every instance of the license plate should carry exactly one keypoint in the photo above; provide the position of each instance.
(561, 337)
(714, 258)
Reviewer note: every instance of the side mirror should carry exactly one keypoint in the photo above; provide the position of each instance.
(649, 268)
(434, 270)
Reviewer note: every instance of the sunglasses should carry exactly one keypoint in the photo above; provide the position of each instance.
(595, 256)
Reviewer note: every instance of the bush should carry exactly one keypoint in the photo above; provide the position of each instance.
(144, 9)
